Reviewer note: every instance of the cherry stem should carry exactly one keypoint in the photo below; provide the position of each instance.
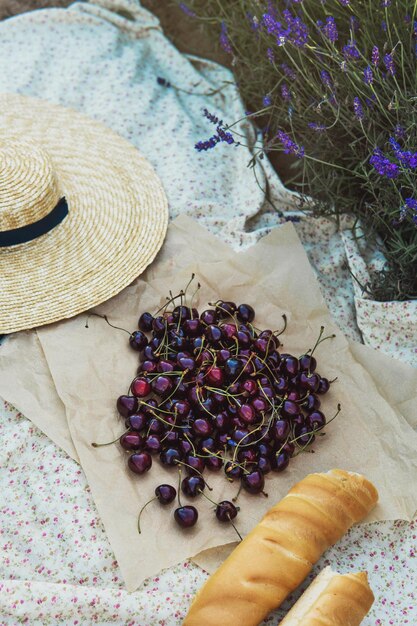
(109, 443)
(192, 299)
(236, 530)
(169, 300)
(276, 333)
(104, 317)
(140, 512)
(186, 288)
(179, 486)
(178, 462)
(238, 493)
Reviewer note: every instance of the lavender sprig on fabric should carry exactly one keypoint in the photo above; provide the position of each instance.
(213, 118)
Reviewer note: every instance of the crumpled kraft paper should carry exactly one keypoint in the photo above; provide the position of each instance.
(91, 366)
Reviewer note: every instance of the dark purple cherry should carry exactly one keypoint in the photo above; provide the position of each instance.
(197, 344)
(162, 385)
(225, 309)
(155, 426)
(223, 355)
(206, 407)
(262, 345)
(213, 334)
(137, 421)
(298, 420)
(181, 313)
(281, 430)
(165, 366)
(165, 493)
(247, 457)
(290, 409)
(159, 326)
(225, 511)
(309, 382)
(138, 340)
(219, 400)
(127, 405)
(242, 433)
(222, 422)
(316, 420)
(254, 481)
(324, 386)
(153, 444)
(214, 463)
(289, 365)
(148, 366)
(145, 322)
(247, 413)
(185, 446)
(208, 443)
(249, 386)
(187, 363)
(202, 427)
(280, 385)
(264, 449)
(149, 406)
(289, 448)
(245, 313)
(171, 438)
(192, 327)
(132, 440)
(155, 343)
(209, 317)
(260, 404)
(311, 403)
(191, 486)
(186, 516)
(233, 367)
(140, 462)
(232, 470)
(303, 435)
(295, 395)
(196, 395)
(140, 387)
(215, 376)
(264, 464)
(182, 408)
(149, 354)
(196, 464)
(170, 456)
(307, 363)
(229, 331)
(244, 339)
(280, 461)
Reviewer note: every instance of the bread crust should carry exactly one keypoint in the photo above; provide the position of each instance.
(276, 556)
(345, 601)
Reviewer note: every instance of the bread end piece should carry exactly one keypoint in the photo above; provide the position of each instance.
(332, 599)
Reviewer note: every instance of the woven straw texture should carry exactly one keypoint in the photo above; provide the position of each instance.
(118, 214)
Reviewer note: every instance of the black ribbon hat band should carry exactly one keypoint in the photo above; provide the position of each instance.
(32, 231)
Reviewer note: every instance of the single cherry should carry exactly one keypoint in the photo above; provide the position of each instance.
(186, 516)
(139, 463)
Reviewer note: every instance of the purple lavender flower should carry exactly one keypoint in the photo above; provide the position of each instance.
(330, 29)
(186, 10)
(270, 54)
(207, 145)
(350, 51)
(375, 56)
(285, 92)
(253, 21)
(411, 203)
(224, 39)
(358, 109)
(385, 3)
(266, 101)
(274, 27)
(213, 118)
(384, 26)
(354, 23)
(389, 63)
(383, 165)
(298, 31)
(344, 3)
(399, 132)
(368, 75)
(317, 126)
(326, 79)
(224, 135)
(290, 147)
(405, 157)
(288, 71)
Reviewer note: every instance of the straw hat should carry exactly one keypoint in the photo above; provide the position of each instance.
(82, 213)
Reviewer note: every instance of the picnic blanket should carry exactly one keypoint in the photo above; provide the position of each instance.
(104, 58)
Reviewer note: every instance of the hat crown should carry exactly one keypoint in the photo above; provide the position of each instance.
(28, 186)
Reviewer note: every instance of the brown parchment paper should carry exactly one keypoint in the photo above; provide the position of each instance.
(91, 367)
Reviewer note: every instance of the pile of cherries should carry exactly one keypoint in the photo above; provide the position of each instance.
(213, 392)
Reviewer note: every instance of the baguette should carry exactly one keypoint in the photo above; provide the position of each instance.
(332, 599)
(280, 551)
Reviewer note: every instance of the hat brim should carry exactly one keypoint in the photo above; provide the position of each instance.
(117, 220)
